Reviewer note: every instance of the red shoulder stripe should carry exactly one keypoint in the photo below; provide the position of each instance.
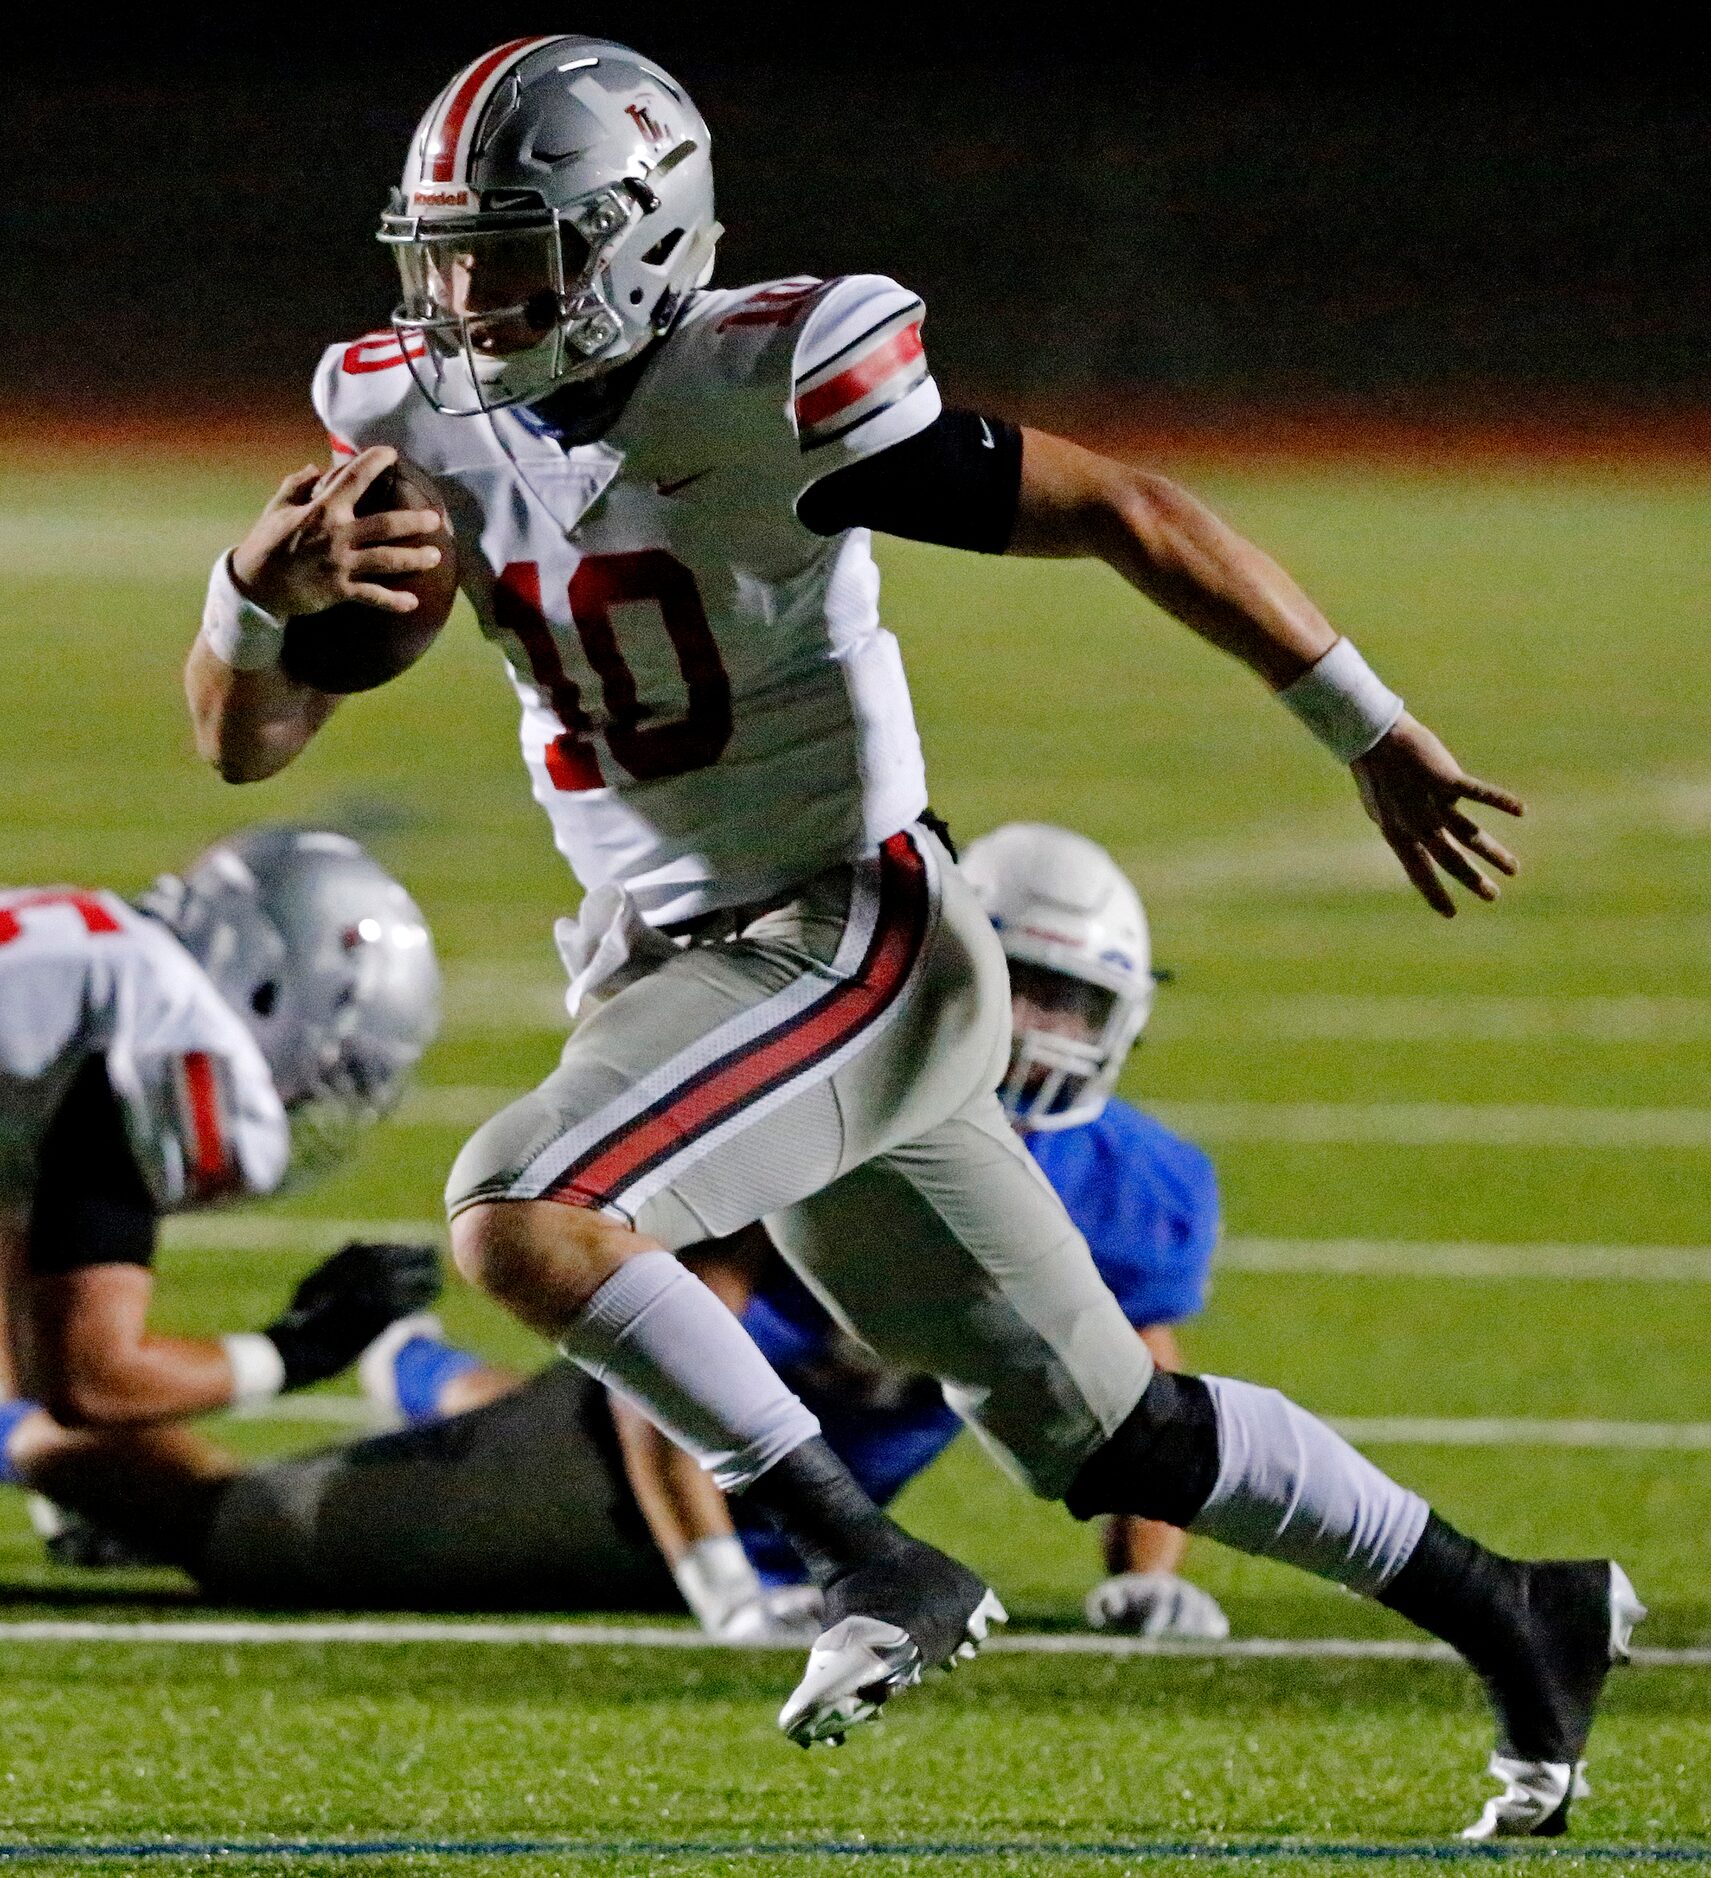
(855, 381)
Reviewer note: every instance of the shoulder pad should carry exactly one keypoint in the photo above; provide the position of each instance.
(741, 336)
(721, 388)
(858, 356)
(364, 393)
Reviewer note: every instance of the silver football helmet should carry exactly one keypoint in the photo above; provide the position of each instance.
(1075, 933)
(556, 210)
(328, 961)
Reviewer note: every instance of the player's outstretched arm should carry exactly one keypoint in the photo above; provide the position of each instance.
(88, 1356)
(307, 551)
(1171, 547)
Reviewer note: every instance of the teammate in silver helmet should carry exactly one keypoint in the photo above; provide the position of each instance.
(236, 1025)
(790, 1004)
(330, 963)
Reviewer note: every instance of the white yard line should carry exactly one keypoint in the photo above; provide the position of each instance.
(1412, 1431)
(1456, 1258)
(338, 1411)
(1470, 1018)
(276, 1232)
(480, 999)
(497, 1001)
(453, 1105)
(1438, 1124)
(1352, 1258)
(1396, 1124)
(414, 1630)
(1492, 1431)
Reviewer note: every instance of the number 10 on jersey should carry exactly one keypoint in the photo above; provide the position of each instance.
(601, 583)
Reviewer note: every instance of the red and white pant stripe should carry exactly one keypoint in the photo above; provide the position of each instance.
(751, 1064)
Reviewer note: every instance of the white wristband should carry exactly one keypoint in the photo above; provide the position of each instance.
(258, 1370)
(1344, 702)
(236, 630)
(716, 1580)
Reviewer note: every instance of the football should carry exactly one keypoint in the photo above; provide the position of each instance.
(354, 646)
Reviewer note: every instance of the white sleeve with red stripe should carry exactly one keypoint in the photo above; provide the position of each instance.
(197, 1129)
(204, 1120)
(81, 975)
(860, 380)
(44, 1015)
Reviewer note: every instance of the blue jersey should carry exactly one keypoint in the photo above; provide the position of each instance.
(1145, 1200)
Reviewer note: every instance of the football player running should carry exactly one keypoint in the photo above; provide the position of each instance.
(233, 1025)
(792, 1006)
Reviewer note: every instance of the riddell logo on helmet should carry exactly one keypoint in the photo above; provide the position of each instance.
(439, 199)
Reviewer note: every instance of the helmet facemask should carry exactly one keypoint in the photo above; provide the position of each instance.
(348, 1091)
(503, 308)
(350, 1072)
(1064, 1067)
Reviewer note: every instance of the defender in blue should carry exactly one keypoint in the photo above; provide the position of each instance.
(1145, 1200)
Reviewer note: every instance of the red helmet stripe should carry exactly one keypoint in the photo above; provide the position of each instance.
(475, 83)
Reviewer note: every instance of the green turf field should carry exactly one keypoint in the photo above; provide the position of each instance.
(1421, 1129)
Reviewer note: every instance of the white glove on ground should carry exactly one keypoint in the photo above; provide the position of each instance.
(718, 1584)
(731, 1604)
(1156, 1604)
(787, 1614)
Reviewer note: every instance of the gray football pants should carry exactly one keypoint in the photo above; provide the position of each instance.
(829, 1064)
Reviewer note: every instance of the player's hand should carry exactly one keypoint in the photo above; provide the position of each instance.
(1413, 789)
(309, 549)
(1157, 1604)
(346, 1302)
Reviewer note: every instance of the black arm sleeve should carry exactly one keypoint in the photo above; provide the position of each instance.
(956, 483)
(91, 1206)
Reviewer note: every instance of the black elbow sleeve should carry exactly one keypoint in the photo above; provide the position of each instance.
(956, 484)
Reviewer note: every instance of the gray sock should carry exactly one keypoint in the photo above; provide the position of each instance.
(658, 1336)
(1290, 1488)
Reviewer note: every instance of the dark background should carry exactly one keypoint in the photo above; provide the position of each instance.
(1450, 215)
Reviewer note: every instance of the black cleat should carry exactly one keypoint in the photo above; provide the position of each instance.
(885, 1623)
(1571, 1620)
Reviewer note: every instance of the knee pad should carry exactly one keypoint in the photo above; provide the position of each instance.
(1162, 1463)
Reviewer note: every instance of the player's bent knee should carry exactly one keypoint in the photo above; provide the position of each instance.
(543, 1261)
(1162, 1463)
